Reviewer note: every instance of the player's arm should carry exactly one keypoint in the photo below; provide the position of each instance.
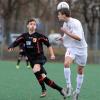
(69, 33)
(19, 40)
(46, 42)
(51, 52)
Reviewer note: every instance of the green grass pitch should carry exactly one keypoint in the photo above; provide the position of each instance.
(21, 84)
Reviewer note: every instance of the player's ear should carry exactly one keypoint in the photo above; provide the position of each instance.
(27, 25)
(35, 26)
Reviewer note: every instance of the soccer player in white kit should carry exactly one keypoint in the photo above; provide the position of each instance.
(76, 49)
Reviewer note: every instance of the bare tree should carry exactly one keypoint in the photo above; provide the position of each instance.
(7, 9)
(12, 9)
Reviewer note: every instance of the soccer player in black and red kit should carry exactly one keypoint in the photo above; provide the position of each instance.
(22, 53)
(34, 50)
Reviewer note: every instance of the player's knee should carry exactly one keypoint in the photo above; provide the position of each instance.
(80, 70)
(36, 68)
(66, 64)
(38, 71)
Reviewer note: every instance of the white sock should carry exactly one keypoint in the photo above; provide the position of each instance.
(67, 74)
(79, 82)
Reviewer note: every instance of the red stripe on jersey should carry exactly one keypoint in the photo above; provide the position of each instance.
(38, 47)
(43, 39)
(20, 39)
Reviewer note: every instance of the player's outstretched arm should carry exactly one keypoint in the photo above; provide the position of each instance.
(18, 41)
(10, 49)
(52, 56)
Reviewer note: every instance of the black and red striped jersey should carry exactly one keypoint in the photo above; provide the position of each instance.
(33, 43)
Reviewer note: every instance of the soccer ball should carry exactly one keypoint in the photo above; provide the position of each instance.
(62, 5)
(55, 38)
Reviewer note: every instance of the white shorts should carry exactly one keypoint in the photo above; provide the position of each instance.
(79, 55)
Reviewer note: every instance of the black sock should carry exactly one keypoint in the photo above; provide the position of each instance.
(18, 61)
(52, 84)
(40, 80)
(42, 84)
(27, 63)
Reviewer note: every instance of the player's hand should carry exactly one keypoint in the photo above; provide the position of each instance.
(52, 57)
(65, 30)
(10, 49)
(59, 39)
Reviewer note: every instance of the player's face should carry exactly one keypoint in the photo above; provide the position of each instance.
(32, 26)
(61, 16)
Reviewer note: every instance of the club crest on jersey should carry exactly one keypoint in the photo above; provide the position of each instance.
(34, 39)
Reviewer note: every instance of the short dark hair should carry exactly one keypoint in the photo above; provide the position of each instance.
(31, 20)
(65, 11)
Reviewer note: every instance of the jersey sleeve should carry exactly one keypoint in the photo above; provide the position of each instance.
(17, 42)
(77, 29)
(45, 40)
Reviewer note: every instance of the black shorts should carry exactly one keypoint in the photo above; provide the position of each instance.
(22, 54)
(37, 59)
(40, 59)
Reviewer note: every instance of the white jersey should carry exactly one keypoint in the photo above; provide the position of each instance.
(74, 26)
